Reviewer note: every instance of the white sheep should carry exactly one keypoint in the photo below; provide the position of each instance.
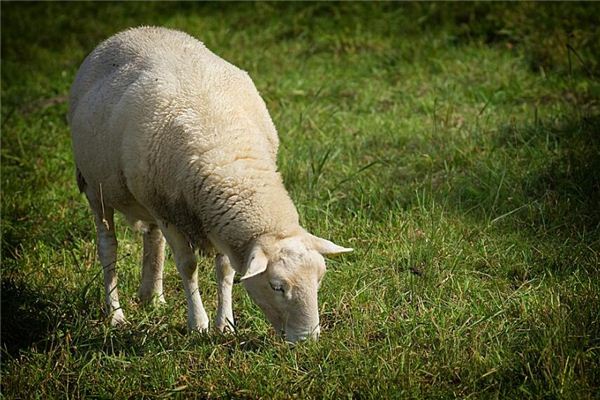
(180, 142)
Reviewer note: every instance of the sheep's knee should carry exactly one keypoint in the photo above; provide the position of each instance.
(187, 266)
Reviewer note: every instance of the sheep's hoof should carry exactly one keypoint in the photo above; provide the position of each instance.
(118, 318)
(201, 327)
(225, 327)
(152, 299)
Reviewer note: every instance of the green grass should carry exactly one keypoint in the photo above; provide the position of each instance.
(456, 147)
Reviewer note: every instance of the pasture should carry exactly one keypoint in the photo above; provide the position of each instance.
(455, 147)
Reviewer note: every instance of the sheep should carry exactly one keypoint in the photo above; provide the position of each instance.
(180, 142)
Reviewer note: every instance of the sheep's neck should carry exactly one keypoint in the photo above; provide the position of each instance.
(241, 201)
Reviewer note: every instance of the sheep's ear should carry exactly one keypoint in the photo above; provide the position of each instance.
(325, 247)
(257, 263)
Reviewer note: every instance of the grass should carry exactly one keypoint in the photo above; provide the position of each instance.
(456, 147)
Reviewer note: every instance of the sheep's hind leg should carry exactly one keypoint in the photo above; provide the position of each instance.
(151, 288)
(107, 252)
(185, 260)
(225, 274)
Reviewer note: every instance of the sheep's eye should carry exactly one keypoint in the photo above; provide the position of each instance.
(276, 287)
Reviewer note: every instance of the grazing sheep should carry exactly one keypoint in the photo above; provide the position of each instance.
(181, 143)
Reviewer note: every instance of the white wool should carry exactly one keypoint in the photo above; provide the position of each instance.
(173, 136)
(160, 121)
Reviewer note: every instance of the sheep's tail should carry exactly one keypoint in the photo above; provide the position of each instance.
(81, 183)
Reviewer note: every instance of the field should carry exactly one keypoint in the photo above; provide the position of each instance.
(455, 147)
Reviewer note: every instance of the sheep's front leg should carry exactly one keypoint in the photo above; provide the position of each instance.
(225, 275)
(185, 260)
(107, 252)
(152, 266)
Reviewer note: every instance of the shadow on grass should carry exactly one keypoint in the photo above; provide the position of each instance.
(27, 318)
(37, 323)
(538, 180)
(549, 184)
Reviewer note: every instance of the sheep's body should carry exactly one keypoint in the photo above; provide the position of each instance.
(173, 136)
(202, 109)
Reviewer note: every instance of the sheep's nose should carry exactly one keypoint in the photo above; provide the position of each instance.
(294, 337)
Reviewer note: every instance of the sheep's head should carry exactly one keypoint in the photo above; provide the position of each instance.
(283, 278)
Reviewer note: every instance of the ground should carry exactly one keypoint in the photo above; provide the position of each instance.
(455, 147)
